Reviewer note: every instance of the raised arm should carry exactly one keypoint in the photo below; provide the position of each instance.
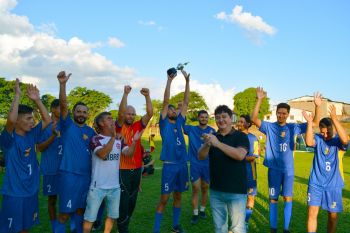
(186, 94)
(149, 108)
(260, 94)
(317, 102)
(62, 79)
(34, 95)
(309, 135)
(45, 144)
(123, 104)
(340, 129)
(13, 113)
(166, 96)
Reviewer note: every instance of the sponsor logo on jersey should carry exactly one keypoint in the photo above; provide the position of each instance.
(175, 130)
(27, 152)
(326, 151)
(85, 137)
(283, 134)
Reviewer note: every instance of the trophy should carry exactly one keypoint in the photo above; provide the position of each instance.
(181, 66)
(172, 72)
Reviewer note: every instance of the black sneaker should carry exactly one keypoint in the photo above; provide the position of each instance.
(273, 230)
(286, 231)
(177, 229)
(202, 214)
(96, 226)
(194, 219)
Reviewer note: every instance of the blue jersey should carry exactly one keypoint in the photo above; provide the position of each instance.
(22, 169)
(327, 166)
(280, 141)
(253, 152)
(75, 140)
(52, 155)
(195, 142)
(173, 142)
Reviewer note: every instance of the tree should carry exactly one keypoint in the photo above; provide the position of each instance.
(47, 99)
(95, 100)
(244, 103)
(157, 107)
(196, 103)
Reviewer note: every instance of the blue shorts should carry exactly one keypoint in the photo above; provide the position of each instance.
(73, 189)
(174, 178)
(50, 185)
(330, 200)
(279, 180)
(199, 171)
(18, 213)
(94, 200)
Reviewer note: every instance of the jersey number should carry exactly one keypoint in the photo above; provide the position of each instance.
(30, 168)
(178, 142)
(60, 148)
(69, 204)
(328, 166)
(10, 222)
(283, 147)
(48, 188)
(309, 197)
(272, 191)
(166, 187)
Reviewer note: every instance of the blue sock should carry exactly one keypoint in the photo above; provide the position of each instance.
(60, 227)
(248, 214)
(100, 212)
(287, 213)
(78, 222)
(53, 224)
(273, 215)
(72, 222)
(176, 216)
(157, 221)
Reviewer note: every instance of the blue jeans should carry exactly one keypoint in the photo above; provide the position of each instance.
(224, 205)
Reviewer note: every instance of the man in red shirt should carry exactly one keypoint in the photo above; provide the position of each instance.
(131, 166)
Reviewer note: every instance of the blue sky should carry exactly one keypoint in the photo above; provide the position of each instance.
(291, 48)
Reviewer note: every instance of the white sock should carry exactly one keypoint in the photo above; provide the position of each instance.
(195, 212)
(202, 208)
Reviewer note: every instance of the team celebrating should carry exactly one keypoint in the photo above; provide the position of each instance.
(88, 171)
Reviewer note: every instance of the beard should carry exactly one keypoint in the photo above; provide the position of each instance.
(203, 124)
(80, 119)
(173, 118)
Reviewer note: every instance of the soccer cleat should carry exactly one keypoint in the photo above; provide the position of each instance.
(194, 219)
(246, 226)
(202, 214)
(177, 229)
(286, 231)
(96, 226)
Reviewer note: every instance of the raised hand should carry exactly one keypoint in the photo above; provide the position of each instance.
(187, 76)
(62, 77)
(332, 111)
(137, 135)
(260, 93)
(127, 89)
(145, 91)
(317, 99)
(33, 92)
(54, 129)
(17, 87)
(308, 117)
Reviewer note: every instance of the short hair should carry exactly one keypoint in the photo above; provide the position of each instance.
(24, 109)
(325, 123)
(79, 104)
(55, 103)
(99, 117)
(247, 119)
(202, 112)
(171, 106)
(223, 109)
(283, 105)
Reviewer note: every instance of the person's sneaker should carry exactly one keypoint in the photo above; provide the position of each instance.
(194, 219)
(286, 231)
(246, 226)
(96, 226)
(273, 230)
(177, 229)
(202, 214)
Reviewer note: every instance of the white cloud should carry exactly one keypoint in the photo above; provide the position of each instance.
(149, 23)
(115, 42)
(255, 26)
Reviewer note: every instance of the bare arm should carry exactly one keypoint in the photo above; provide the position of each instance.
(309, 135)
(149, 108)
(123, 104)
(33, 94)
(13, 113)
(340, 130)
(260, 94)
(131, 148)
(106, 149)
(317, 102)
(203, 151)
(249, 158)
(44, 145)
(62, 79)
(166, 96)
(186, 94)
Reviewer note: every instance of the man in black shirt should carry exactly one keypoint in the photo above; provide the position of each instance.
(227, 149)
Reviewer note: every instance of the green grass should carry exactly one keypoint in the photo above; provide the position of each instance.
(143, 218)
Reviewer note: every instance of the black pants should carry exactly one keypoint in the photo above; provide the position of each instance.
(129, 184)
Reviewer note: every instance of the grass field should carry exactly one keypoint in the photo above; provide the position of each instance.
(142, 220)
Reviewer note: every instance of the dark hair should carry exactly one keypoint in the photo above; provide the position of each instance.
(283, 105)
(247, 119)
(202, 112)
(326, 123)
(55, 103)
(24, 109)
(171, 106)
(223, 109)
(79, 104)
(99, 117)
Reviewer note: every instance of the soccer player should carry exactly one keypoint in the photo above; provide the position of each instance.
(199, 169)
(173, 155)
(75, 168)
(107, 149)
(131, 166)
(280, 140)
(243, 124)
(20, 205)
(227, 149)
(51, 150)
(326, 178)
